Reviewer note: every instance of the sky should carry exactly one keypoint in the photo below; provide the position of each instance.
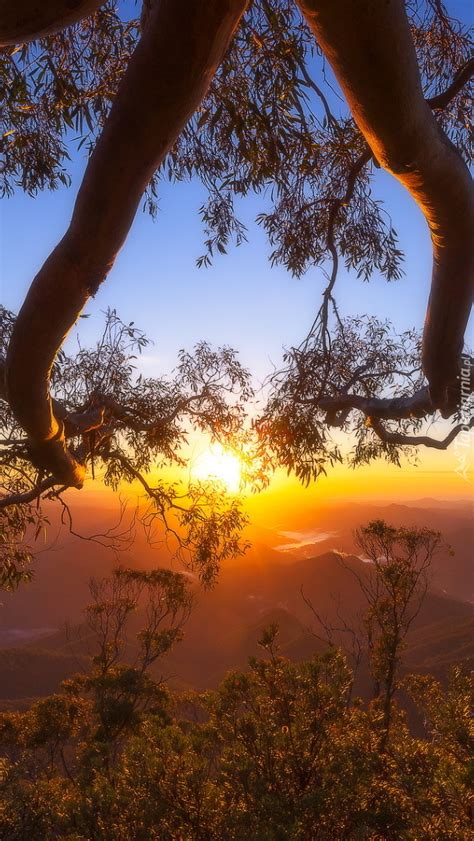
(240, 300)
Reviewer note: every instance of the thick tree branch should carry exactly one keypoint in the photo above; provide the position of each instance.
(438, 102)
(392, 408)
(106, 411)
(108, 408)
(416, 405)
(26, 20)
(370, 48)
(182, 46)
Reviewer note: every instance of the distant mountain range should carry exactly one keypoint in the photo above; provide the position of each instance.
(265, 587)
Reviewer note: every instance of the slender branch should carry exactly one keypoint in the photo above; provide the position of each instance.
(402, 440)
(310, 83)
(114, 537)
(124, 461)
(354, 172)
(463, 75)
(28, 496)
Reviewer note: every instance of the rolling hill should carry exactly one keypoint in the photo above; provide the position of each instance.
(227, 621)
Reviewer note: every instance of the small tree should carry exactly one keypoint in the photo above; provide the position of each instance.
(85, 726)
(120, 686)
(394, 586)
(395, 589)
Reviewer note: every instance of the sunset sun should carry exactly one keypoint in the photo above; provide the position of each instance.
(216, 463)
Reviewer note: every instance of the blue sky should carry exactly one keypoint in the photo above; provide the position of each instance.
(240, 300)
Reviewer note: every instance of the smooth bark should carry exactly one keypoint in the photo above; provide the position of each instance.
(182, 45)
(27, 20)
(369, 46)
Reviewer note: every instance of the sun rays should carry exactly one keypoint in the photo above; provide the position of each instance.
(218, 464)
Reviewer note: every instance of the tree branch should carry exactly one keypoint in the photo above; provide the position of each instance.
(27, 20)
(182, 45)
(417, 440)
(415, 405)
(28, 496)
(392, 408)
(408, 142)
(126, 463)
(464, 75)
(310, 83)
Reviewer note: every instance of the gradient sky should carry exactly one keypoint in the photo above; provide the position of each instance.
(240, 301)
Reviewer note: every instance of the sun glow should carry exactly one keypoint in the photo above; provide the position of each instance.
(218, 464)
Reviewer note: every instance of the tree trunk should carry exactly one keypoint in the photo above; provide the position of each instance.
(26, 20)
(369, 46)
(169, 74)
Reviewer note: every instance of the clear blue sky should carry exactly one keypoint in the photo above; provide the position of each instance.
(240, 301)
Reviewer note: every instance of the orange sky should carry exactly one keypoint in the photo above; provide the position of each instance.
(438, 476)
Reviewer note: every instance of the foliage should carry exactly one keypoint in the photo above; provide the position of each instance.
(324, 389)
(16, 553)
(280, 751)
(57, 90)
(127, 427)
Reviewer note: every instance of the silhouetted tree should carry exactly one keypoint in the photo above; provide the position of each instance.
(171, 71)
(394, 589)
(394, 586)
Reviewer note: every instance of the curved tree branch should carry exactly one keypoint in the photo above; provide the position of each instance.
(370, 48)
(28, 496)
(462, 77)
(183, 43)
(337, 205)
(416, 405)
(26, 20)
(402, 440)
(438, 102)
